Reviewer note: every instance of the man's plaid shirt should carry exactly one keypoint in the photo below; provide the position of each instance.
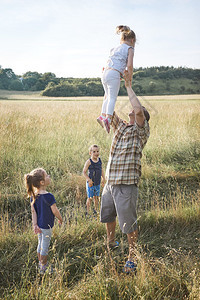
(124, 165)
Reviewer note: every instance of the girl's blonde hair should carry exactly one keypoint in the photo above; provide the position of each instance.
(32, 180)
(126, 33)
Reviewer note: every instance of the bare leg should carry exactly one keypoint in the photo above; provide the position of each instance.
(88, 204)
(132, 239)
(43, 259)
(110, 227)
(96, 203)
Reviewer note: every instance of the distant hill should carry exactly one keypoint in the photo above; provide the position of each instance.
(146, 81)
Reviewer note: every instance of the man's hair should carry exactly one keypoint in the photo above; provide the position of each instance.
(146, 113)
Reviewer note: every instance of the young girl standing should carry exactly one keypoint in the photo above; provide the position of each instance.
(120, 58)
(44, 210)
(93, 172)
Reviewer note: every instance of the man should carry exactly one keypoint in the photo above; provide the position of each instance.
(120, 193)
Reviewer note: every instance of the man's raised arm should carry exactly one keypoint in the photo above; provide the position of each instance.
(136, 105)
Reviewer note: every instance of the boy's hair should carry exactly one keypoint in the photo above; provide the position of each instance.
(90, 148)
(32, 180)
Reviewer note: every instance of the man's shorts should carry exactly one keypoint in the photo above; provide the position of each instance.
(93, 190)
(120, 200)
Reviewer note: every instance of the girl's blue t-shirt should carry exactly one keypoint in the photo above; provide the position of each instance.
(42, 205)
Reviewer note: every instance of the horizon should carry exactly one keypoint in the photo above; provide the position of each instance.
(97, 76)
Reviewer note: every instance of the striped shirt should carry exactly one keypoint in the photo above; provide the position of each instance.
(124, 164)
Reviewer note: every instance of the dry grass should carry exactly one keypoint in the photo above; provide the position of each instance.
(56, 135)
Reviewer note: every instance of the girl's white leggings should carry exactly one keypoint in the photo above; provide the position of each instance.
(111, 85)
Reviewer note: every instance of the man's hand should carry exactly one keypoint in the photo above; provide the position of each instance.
(127, 79)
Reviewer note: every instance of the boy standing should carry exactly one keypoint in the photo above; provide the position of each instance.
(93, 172)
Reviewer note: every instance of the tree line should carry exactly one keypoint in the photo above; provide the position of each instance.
(146, 81)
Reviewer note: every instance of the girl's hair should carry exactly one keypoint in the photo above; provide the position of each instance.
(90, 148)
(126, 33)
(32, 180)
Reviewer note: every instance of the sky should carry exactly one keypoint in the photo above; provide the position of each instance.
(73, 38)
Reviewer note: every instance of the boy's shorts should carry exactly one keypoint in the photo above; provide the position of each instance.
(120, 200)
(93, 190)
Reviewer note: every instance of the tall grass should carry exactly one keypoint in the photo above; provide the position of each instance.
(167, 254)
(56, 136)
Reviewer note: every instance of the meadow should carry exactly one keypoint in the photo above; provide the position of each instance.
(56, 134)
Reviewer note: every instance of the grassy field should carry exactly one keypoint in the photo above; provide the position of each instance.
(56, 135)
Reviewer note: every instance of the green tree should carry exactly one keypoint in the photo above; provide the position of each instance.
(30, 79)
(6, 77)
(16, 85)
(152, 86)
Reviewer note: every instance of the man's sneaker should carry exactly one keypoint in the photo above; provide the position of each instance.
(100, 121)
(106, 125)
(130, 267)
